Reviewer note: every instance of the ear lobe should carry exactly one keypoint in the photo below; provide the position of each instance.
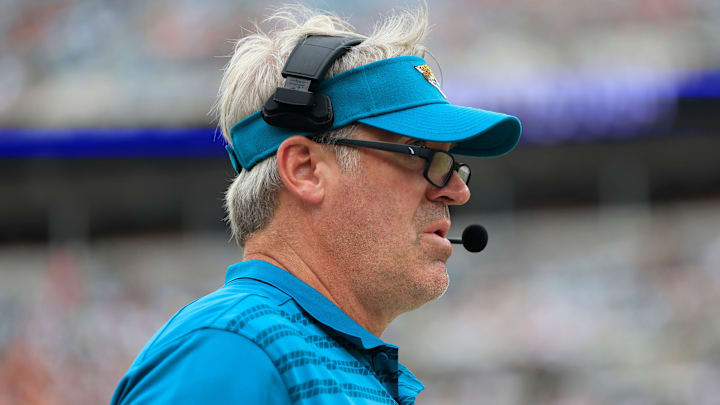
(300, 162)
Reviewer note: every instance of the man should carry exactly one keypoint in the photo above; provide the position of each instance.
(343, 230)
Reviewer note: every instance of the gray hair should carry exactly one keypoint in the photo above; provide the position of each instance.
(253, 73)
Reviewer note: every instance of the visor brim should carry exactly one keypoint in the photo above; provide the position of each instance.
(478, 132)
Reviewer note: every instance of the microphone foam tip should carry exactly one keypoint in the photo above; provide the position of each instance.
(475, 238)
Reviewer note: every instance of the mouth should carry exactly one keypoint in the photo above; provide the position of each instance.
(436, 232)
(439, 228)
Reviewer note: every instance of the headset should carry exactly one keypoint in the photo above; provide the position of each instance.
(296, 105)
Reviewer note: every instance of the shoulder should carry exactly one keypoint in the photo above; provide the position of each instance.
(213, 342)
(242, 307)
(208, 365)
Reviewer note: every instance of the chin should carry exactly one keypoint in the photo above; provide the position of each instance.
(433, 283)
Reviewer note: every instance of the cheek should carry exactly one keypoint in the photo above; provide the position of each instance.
(395, 205)
(396, 192)
(381, 201)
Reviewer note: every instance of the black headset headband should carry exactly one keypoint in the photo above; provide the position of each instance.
(295, 105)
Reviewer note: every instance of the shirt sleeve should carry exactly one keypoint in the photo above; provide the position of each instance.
(206, 366)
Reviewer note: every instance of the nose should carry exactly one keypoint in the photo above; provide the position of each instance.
(455, 192)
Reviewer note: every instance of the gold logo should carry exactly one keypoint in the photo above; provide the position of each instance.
(430, 77)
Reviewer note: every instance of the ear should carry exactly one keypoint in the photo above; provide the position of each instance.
(302, 165)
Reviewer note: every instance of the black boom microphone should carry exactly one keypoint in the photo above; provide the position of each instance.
(474, 238)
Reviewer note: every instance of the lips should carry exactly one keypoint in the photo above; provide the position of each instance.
(439, 228)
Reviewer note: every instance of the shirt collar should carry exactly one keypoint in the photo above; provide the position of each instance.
(314, 303)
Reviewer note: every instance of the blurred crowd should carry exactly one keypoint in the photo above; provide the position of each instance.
(81, 63)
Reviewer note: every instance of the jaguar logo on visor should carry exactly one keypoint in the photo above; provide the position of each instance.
(430, 77)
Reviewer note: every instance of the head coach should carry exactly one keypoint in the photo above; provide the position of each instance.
(347, 154)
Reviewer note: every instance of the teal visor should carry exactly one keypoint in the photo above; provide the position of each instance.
(399, 95)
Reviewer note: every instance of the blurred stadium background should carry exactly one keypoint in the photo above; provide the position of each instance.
(601, 281)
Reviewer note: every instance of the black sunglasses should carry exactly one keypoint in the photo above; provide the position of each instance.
(439, 165)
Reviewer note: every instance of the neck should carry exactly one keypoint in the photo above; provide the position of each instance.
(302, 258)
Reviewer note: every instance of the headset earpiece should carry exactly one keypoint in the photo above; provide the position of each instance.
(295, 105)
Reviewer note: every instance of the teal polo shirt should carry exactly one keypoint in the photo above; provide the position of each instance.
(265, 337)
